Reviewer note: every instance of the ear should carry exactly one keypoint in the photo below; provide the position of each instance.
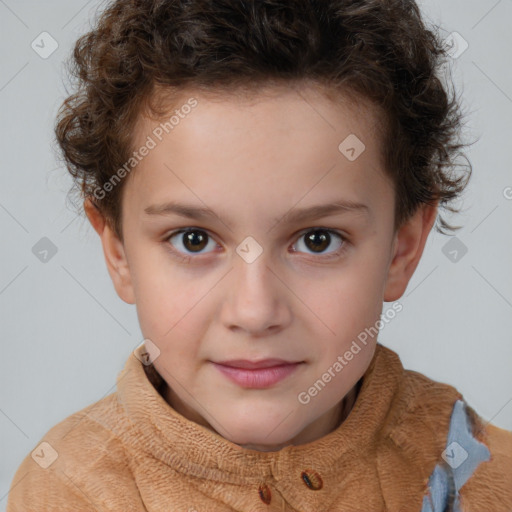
(114, 252)
(408, 247)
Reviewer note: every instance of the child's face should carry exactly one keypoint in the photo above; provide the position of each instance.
(256, 165)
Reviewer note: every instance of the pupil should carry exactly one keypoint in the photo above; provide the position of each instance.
(193, 239)
(320, 241)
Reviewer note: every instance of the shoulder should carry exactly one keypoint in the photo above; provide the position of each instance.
(79, 462)
(420, 413)
(431, 432)
(489, 485)
(475, 472)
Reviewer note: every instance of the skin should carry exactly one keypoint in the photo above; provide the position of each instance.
(252, 162)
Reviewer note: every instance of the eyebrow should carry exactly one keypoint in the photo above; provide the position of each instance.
(293, 216)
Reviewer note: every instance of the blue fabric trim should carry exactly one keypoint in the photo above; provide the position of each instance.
(463, 454)
(439, 491)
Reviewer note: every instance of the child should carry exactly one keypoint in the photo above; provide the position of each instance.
(304, 147)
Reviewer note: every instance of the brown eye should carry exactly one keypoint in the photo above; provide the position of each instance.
(317, 240)
(191, 241)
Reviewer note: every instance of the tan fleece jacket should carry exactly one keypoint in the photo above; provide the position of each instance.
(131, 451)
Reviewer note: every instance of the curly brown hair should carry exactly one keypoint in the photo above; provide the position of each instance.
(377, 50)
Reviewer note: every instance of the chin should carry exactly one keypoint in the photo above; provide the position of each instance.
(255, 434)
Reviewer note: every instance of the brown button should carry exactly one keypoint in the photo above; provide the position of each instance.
(264, 492)
(312, 479)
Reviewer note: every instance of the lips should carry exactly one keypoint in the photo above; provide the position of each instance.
(255, 365)
(257, 374)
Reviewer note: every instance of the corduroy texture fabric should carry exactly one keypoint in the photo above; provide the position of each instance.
(131, 451)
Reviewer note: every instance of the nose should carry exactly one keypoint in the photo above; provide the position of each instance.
(257, 298)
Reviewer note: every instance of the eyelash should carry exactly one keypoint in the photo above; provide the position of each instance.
(187, 258)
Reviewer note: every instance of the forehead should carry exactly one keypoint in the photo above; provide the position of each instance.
(282, 143)
(275, 107)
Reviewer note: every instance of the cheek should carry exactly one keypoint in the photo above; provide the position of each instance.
(164, 295)
(349, 308)
(350, 299)
(172, 310)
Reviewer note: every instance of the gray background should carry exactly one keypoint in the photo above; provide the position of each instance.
(66, 332)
